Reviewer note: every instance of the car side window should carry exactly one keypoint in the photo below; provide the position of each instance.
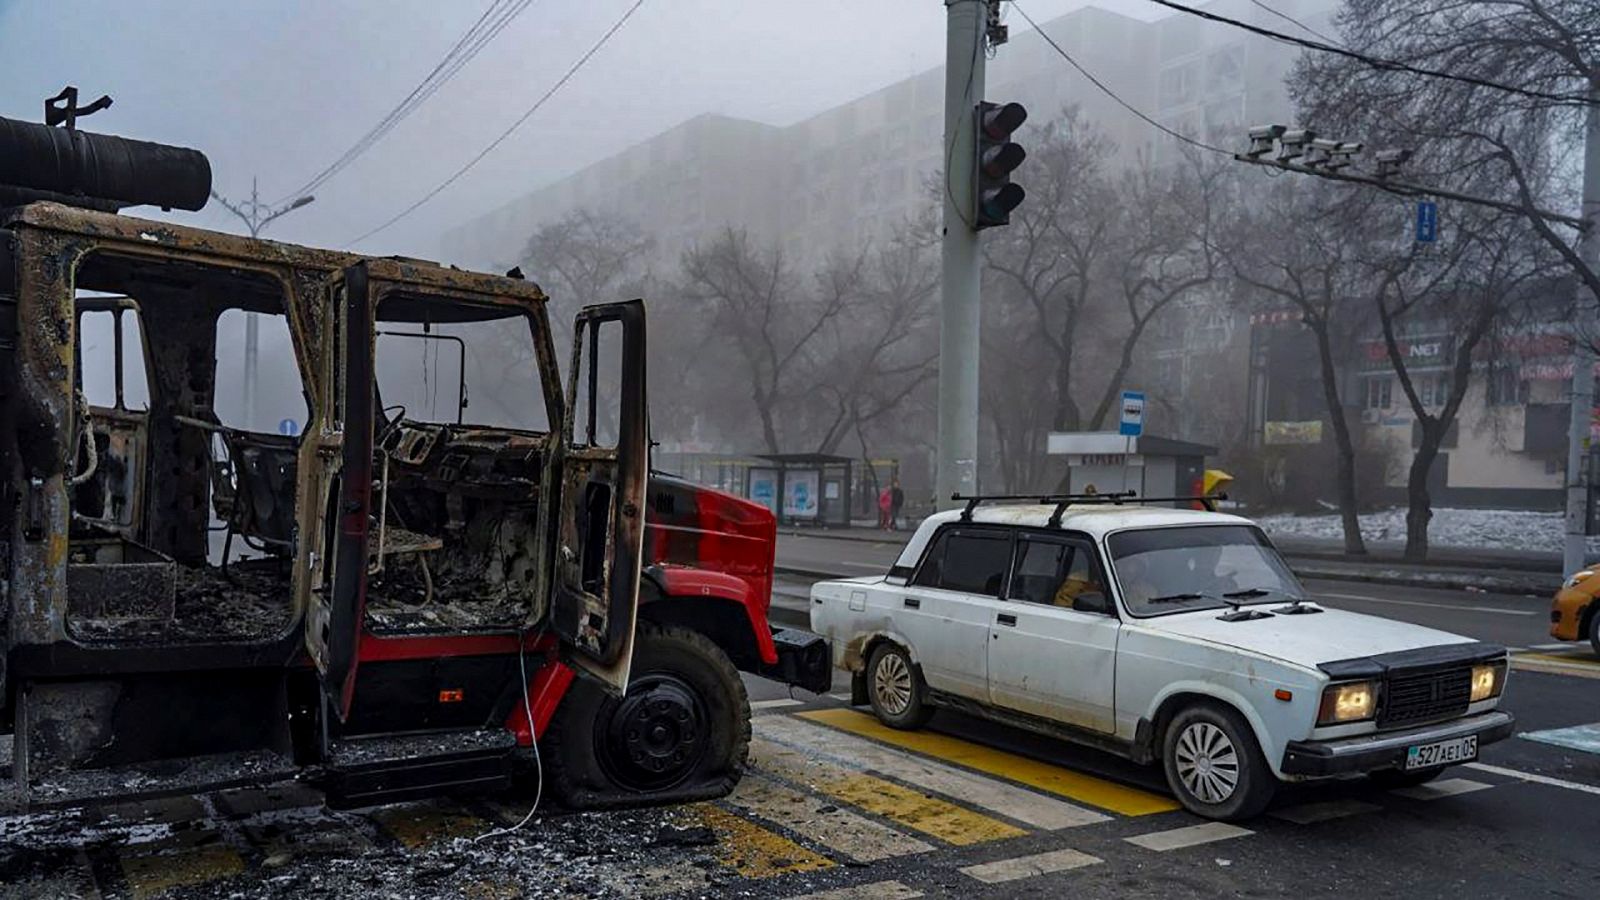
(971, 562)
(1059, 573)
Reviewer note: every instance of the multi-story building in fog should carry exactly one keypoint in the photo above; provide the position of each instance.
(860, 170)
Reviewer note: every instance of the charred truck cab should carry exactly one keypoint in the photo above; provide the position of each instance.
(439, 553)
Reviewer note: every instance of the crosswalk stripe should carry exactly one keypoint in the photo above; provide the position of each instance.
(1178, 838)
(1448, 787)
(877, 890)
(840, 830)
(915, 810)
(1053, 779)
(779, 703)
(975, 790)
(753, 851)
(1311, 813)
(1029, 866)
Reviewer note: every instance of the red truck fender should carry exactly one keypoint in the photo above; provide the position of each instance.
(676, 584)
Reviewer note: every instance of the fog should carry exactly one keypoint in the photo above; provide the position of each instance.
(280, 89)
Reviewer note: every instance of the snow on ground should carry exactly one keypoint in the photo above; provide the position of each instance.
(1498, 529)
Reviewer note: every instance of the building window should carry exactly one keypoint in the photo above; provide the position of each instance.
(1380, 392)
(1434, 389)
(1505, 387)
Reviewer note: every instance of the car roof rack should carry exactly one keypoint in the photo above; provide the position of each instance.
(1062, 501)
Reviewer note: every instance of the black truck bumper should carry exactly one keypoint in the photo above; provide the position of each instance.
(1387, 750)
(804, 660)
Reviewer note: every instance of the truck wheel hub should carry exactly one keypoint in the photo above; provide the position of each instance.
(655, 735)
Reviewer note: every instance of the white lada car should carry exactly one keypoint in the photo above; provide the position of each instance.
(1177, 636)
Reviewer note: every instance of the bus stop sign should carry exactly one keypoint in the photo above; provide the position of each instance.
(1132, 414)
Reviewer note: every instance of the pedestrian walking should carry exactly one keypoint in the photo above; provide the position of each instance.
(885, 503)
(897, 499)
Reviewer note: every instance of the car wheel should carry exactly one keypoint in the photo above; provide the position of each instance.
(1594, 629)
(1214, 764)
(1399, 778)
(895, 689)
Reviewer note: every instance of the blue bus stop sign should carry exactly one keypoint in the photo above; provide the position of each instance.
(1132, 422)
(1427, 221)
(289, 427)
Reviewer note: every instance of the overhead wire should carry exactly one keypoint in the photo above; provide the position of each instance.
(1388, 65)
(1140, 114)
(489, 24)
(1293, 21)
(537, 104)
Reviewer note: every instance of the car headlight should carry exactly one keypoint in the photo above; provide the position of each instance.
(1352, 701)
(1578, 577)
(1488, 680)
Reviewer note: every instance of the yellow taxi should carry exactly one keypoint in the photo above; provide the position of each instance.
(1575, 615)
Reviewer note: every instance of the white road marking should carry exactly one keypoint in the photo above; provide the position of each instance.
(776, 704)
(1028, 866)
(1177, 838)
(840, 830)
(874, 566)
(1310, 813)
(974, 790)
(1495, 610)
(1535, 778)
(1585, 738)
(842, 698)
(1557, 645)
(878, 890)
(1448, 787)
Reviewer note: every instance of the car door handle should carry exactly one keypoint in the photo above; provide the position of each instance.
(913, 603)
(1007, 619)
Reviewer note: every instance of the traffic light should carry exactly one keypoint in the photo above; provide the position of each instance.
(997, 156)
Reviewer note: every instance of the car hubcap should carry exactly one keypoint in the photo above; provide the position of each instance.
(656, 735)
(891, 684)
(1207, 763)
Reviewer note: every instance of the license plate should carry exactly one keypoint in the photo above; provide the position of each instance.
(1442, 753)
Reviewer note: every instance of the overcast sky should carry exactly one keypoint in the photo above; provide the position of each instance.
(280, 88)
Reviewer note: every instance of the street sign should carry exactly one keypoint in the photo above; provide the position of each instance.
(1132, 414)
(1427, 221)
(289, 427)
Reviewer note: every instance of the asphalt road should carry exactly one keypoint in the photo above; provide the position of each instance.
(836, 807)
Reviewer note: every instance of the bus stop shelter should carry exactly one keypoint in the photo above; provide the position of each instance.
(803, 488)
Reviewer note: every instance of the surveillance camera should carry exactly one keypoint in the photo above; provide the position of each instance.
(1391, 161)
(1261, 138)
(1292, 144)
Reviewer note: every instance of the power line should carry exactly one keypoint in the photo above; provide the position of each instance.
(494, 19)
(560, 82)
(1293, 21)
(1388, 65)
(1113, 94)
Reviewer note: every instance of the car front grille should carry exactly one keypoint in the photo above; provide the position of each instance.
(1412, 698)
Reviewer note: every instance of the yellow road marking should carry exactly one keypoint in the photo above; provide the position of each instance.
(914, 809)
(753, 851)
(1582, 659)
(1054, 779)
(152, 874)
(1556, 666)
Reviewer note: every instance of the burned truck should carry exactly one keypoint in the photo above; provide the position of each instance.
(448, 557)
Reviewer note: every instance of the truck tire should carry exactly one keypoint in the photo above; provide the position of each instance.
(1214, 764)
(895, 689)
(682, 732)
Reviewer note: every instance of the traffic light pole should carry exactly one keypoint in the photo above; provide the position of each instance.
(957, 467)
(1583, 358)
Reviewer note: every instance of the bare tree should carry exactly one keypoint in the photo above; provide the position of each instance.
(1474, 294)
(587, 257)
(770, 320)
(1304, 246)
(1510, 143)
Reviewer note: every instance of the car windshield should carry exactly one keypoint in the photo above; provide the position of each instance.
(1167, 570)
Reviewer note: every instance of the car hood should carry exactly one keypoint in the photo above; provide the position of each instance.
(1305, 640)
